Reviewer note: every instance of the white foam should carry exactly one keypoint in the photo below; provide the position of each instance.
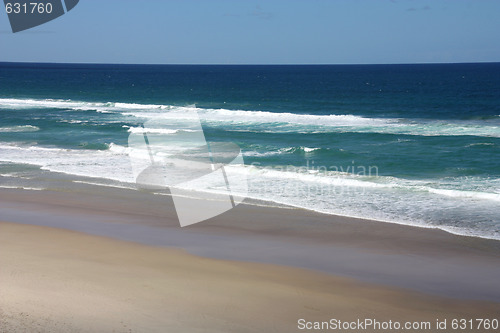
(50, 103)
(157, 130)
(72, 121)
(280, 151)
(466, 194)
(87, 163)
(152, 130)
(16, 129)
(387, 199)
(114, 164)
(261, 154)
(292, 118)
(264, 121)
(104, 184)
(104, 107)
(135, 106)
(23, 188)
(272, 122)
(479, 144)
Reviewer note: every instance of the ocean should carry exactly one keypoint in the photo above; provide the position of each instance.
(409, 144)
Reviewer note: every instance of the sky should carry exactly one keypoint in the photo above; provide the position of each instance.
(262, 32)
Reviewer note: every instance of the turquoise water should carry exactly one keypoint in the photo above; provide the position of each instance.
(412, 144)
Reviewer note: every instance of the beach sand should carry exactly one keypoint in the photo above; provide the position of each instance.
(125, 266)
(62, 281)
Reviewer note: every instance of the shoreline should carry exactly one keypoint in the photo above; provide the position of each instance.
(47, 180)
(379, 253)
(78, 180)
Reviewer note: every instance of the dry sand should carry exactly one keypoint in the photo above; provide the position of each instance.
(53, 280)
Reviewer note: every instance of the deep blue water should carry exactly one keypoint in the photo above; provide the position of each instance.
(417, 144)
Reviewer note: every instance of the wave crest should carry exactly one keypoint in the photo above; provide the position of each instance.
(16, 129)
(272, 122)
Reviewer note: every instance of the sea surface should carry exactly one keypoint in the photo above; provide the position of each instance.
(410, 144)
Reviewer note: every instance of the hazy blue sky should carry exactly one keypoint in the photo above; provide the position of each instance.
(262, 32)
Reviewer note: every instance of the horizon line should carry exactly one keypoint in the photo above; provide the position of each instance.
(246, 64)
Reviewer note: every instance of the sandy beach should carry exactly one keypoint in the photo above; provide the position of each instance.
(123, 265)
(62, 281)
